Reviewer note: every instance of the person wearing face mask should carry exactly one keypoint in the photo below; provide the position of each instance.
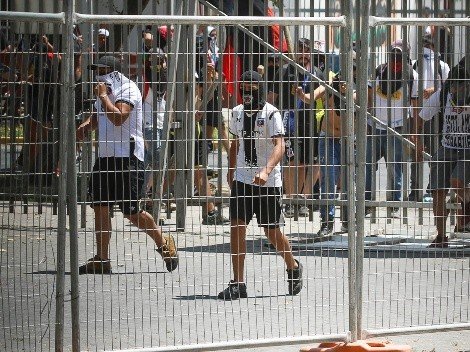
(435, 73)
(292, 95)
(450, 164)
(255, 180)
(392, 105)
(118, 173)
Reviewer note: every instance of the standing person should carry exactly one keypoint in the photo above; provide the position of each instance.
(255, 179)
(43, 99)
(451, 162)
(118, 173)
(391, 100)
(289, 98)
(332, 135)
(433, 78)
(103, 42)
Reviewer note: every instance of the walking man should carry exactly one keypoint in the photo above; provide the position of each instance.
(255, 179)
(118, 173)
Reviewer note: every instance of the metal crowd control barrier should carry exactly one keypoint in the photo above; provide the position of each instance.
(140, 306)
(392, 296)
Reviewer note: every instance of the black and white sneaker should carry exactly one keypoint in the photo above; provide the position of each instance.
(235, 290)
(294, 279)
(326, 229)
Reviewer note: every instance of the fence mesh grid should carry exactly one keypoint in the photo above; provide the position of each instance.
(188, 127)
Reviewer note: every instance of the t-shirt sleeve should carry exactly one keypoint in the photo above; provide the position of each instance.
(275, 125)
(232, 126)
(127, 95)
(431, 106)
(445, 70)
(414, 90)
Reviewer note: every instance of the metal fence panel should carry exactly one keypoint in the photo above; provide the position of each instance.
(32, 224)
(407, 285)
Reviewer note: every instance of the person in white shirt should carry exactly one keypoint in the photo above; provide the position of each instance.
(450, 165)
(434, 74)
(118, 173)
(255, 180)
(391, 102)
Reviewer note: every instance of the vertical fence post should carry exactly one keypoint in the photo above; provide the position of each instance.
(361, 137)
(346, 45)
(61, 223)
(69, 112)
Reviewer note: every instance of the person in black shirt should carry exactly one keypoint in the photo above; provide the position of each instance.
(288, 95)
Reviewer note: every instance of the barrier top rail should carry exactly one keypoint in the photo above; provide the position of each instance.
(40, 17)
(378, 21)
(213, 20)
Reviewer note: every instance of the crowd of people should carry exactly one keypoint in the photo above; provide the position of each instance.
(284, 138)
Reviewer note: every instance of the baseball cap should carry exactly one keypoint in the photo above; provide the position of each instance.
(103, 31)
(209, 30)
(304, 42)
(399, 45)
(108, 62)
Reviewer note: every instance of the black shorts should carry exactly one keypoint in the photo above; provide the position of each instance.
(265, 202)
(117, 180)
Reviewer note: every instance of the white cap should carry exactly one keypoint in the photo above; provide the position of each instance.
(103, 31)
(209, 30)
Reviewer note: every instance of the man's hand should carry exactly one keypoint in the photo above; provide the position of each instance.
(198, 115)
(81, 133)
(299, 92)
(428, 92)
(100, 89)
(230, 174)
(261, 178)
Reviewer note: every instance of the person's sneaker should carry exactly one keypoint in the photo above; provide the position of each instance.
(440, 242)
(427, 198)
(215, 219)
(303, 210)
(288, 211)
(368, 210)
(95, 265)
(235, 290)
(294, 279)
(325, 230)
(344, 226)
(169, 253)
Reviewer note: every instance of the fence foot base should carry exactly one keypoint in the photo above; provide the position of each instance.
(358, 346)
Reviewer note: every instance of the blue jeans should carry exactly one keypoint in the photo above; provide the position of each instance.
(329, 150)
(153, 144)
(379, 139)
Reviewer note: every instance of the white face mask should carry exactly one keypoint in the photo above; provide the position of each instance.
(428, 53)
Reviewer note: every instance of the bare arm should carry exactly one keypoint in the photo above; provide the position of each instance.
(90, 124)
(307, 97)
(116, 113)
(273, 160)
(232, 160)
